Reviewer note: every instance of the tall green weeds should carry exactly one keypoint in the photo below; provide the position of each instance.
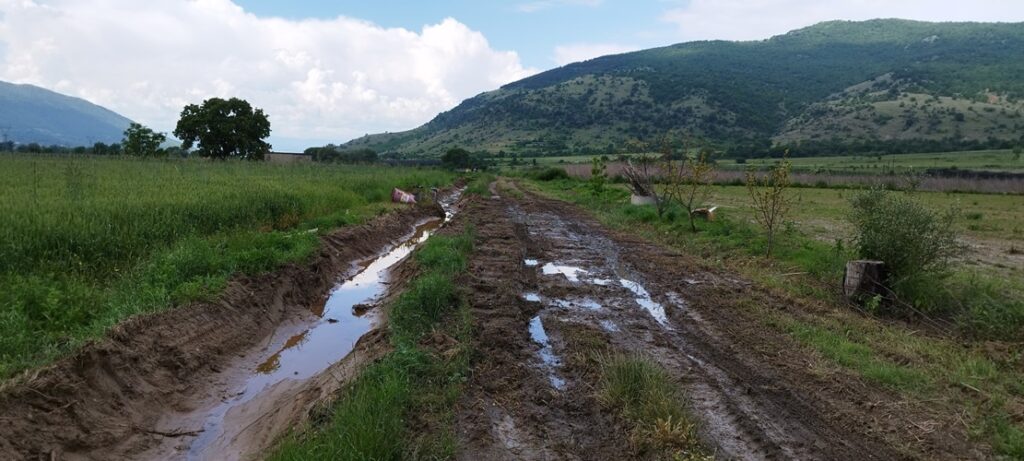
(86, 242)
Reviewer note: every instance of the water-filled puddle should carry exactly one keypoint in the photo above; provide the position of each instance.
(547, 354)
(609, 326)
(532, 297)
(570, 272)
(340, 326)
(531, 262)
(643, 298)
(601, 282)
(327, 341)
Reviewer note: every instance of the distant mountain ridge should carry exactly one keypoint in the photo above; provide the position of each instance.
(879, 81)
(30, 114)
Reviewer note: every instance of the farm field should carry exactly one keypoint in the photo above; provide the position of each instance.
(985, 160)
(992, 224)
(305, 331)
(89, 242)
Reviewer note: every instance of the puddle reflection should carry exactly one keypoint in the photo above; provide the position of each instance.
(547, 354)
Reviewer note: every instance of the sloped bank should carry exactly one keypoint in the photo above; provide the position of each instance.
(108, 400)
(400, 406)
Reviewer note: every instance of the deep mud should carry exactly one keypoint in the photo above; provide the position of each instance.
(543, 274)
(148, 389)
(754, 391)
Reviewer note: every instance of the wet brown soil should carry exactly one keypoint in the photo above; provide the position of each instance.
(547, 286)
(755, 392)
(117, 397)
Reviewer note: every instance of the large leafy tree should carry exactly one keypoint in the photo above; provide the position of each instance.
(140, 141)
(457, 157)
(224, 129)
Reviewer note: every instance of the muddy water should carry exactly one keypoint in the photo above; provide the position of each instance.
(301, 352)
(327, 340)
(549, 360)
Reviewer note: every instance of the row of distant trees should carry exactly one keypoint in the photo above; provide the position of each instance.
(455, 158)
(837, 146)
(218, 129)
(332, 153)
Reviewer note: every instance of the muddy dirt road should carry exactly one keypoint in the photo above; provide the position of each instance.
(545, 272)
(182, 384)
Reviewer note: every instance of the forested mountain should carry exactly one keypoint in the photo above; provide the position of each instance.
(873, 85)
(29, 114)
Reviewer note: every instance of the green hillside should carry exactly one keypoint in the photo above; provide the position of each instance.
(29, 114)
(865, 84)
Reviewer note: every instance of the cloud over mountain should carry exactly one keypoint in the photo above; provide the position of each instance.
(318, 79)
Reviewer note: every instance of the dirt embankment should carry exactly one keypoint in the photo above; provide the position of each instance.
(543, 272)
(110, 400)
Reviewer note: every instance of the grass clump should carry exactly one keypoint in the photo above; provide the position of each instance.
(645, 395)
(364, 423)
(479, 184)
(401, 406)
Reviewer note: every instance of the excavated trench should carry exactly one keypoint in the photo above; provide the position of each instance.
(221, 381)
(300, 353)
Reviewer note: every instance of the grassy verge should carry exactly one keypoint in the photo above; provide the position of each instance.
(401, 406)
(479, 183)
(980, 381)
(87, 242)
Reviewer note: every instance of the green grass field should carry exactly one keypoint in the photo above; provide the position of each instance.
(984, 160)
(821, 212)
(87, 242)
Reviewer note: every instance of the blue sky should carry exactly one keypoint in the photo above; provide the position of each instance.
(330, 71)
(531, 28)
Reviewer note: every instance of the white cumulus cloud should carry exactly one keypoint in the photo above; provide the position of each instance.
(575, 52)
(317, 79)
(760, 19)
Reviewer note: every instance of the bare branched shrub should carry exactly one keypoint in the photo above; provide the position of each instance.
(640, 173)
(639, 176)
(770, 198)
(689, 183)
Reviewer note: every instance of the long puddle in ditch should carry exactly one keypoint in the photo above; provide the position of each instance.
(341, 321)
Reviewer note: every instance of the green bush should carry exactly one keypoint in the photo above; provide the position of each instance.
(551, 174)
(916, 244)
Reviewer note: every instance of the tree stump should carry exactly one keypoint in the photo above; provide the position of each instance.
(864, 279)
